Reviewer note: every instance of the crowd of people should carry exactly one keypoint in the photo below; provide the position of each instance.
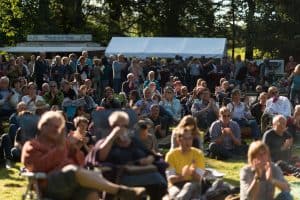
(197, 107)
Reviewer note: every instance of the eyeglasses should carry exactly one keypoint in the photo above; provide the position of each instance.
(53, 86)
(274, 92)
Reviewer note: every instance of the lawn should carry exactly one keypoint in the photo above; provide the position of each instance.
(12, 185)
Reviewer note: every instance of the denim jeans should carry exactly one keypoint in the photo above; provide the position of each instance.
(255, 132)
(284, 196)
(221, 153)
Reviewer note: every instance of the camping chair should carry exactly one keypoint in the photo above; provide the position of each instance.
(33, 191)
(28, 125)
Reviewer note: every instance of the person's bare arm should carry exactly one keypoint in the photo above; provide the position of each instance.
(105, 147)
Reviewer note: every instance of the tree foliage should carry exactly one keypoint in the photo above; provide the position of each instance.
(269, 25)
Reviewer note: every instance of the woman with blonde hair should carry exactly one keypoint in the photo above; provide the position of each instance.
(260, 176)
(190, 123)
(295, 86)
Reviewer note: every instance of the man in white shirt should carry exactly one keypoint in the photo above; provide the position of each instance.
(275, 105)
(278, 104)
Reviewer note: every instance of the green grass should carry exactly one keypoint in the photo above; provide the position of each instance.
(12, 185)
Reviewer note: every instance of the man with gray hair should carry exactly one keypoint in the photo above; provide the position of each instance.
(278, 140)
(130, 84)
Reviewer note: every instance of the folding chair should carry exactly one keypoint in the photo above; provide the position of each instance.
(33, 191)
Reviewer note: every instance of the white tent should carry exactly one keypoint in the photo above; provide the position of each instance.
(167, 47)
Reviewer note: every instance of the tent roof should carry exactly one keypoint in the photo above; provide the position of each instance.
(167, 47)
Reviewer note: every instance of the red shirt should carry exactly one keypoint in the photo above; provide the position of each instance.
(41, 157)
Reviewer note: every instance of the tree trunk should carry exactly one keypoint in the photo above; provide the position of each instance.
(250, 31)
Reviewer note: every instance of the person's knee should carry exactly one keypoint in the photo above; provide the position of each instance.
(5, 138)
(73, 168)
(285, 195)
(213, 147)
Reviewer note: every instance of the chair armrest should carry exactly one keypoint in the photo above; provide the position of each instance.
(35, 175)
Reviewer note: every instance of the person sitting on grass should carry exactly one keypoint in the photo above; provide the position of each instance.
(148, 139)
(260, 177)
(242, 115)
(186, 167)
(190, 122)
(279, 140)
(61, 160)
(81, 136)
(225, 137)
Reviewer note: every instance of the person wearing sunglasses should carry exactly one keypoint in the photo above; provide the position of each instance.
(276, 104)
(225, 137)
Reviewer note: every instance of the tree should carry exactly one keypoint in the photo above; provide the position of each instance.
(10, 19)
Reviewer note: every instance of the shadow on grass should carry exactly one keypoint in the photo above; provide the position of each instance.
(232, 181)
(11, 174)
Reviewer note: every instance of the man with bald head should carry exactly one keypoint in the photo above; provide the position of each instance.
(278, 140)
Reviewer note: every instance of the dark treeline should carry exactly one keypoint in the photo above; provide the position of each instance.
(272, 26)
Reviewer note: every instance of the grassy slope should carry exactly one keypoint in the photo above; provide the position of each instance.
(12, 185)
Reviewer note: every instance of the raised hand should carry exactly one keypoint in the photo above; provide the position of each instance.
(268, 169)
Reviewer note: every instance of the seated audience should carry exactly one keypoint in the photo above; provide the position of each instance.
(51, 153)
(258, 108)
(109, 101)
(145, 136)
(277, 105)
(151, 78)
(293, 124)
(121, 148)
(205, 110)
(145, 102)
(54, 96)
(225, 137)
(170, 104)
(81, 136)
(242, 115)
(260, 177)
(67, 91)
(6, 109)
(186, 167)
(7, 139)
(160, 125)
(279, 140)
(130, 84)
(189, 122)
(32, 98)
(90, 104)
(223, 93)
